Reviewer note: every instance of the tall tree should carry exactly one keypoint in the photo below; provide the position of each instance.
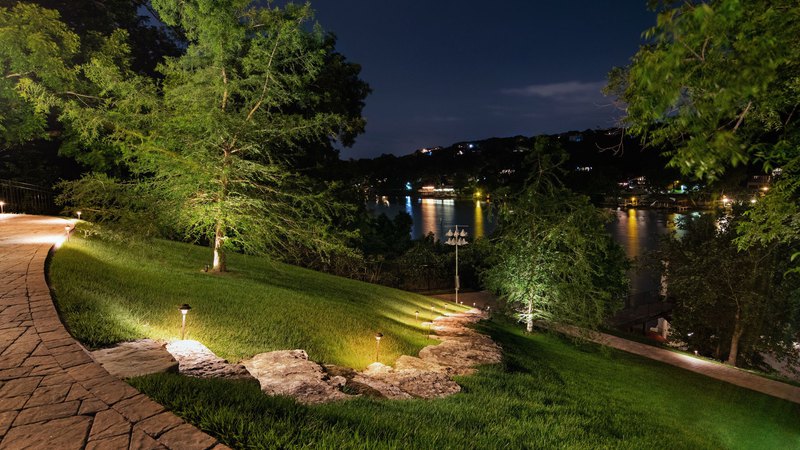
(553, 259)
(206, 148)
(728, 301)
(717, 82)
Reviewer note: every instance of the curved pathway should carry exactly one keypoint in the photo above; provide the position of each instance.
(711, 369)
(52, 394)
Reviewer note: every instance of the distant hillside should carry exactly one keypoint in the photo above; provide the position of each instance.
(599, 160)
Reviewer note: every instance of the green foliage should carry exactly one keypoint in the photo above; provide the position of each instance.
(553, 258)
(36, 53)
(112, 290)
(718, 83)
(731, 302)
(548, 394)
(209, 145)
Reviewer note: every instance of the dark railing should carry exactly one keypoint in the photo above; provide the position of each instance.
(18, 197)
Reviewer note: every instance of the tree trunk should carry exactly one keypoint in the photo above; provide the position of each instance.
(737, 334)
(529, 321)
(220, 265)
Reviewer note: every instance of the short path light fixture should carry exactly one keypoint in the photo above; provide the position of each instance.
(184, 310)
(416, 315)
(66, 230)
(2, 207)
(378, 346)
(79, 215)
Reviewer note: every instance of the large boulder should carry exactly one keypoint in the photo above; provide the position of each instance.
(197, 360)
(136, 358)
(407, 383)
(290, 373)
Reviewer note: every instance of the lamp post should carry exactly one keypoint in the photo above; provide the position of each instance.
(456, 238)
(184, 310)
(378, 346)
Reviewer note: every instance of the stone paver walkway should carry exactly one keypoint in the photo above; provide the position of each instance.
(52, 394)
(688, 362)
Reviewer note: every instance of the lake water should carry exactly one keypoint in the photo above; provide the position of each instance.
(638, 231)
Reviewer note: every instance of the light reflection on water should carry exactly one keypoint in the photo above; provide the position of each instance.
(638, 231)
(437, 215)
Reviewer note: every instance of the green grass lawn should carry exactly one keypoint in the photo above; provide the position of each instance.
(109, 292)
(550, 393)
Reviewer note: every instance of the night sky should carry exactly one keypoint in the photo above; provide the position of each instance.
(444, 71)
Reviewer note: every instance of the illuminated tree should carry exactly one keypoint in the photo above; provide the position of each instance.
(553, 259)
(205, 150)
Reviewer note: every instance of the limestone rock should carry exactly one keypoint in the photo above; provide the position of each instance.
(136, 358)
(290, 373)
(197, 360)
(379, 388)
(406, 362)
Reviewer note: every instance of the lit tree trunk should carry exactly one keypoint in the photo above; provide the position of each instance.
(737, 334)
(220, 264)
(529, 321)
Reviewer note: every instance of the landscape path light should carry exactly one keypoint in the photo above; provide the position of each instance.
(79, 215)
(184, 310)
(456, 238)
(378, 346)
(416, 315)
(66, 230)
(2, 207)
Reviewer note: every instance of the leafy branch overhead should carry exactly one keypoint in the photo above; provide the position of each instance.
(717, 82)
(717, 85)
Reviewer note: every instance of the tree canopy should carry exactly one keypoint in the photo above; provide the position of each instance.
(717, 84)
(730, 303)
(205, 148)
(553, 259)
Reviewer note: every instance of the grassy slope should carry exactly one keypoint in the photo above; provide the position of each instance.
(110, 292)
(549, 394)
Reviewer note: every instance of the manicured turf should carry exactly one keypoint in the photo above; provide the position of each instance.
(109, 292)
(550, 393)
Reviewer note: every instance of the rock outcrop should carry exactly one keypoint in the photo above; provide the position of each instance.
(290, 373)
(197, 360)
(136, 358)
